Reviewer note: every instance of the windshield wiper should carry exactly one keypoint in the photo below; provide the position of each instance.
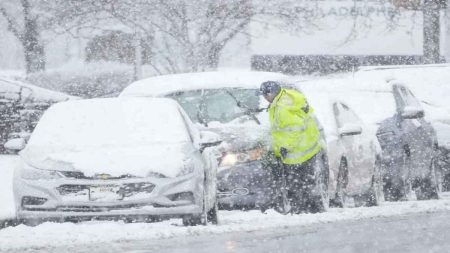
(248, 111)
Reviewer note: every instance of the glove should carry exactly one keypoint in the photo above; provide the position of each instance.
(283, 152)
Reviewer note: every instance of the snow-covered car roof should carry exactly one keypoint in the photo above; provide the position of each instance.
(11, 89)
(163, 85)
(372, 103)
(430, 83)
(77, 132)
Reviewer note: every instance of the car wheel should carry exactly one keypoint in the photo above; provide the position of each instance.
(374, 195)
(194, 220)
(32, 222)
(428, 188)
(212, 215)
(341, 185)
(206, 216)
(398, 190)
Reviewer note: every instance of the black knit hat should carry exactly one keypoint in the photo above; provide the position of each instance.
(269, 87)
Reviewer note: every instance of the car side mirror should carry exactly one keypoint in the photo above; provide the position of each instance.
(15, 145)
(209, 139)
(411, 112)
(349, 129)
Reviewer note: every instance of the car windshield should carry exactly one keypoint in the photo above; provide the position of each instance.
(107, 123)
(222, 105)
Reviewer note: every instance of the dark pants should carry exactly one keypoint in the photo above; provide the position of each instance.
(300, 183)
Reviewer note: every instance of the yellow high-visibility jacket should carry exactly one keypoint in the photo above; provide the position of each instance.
(293, 127)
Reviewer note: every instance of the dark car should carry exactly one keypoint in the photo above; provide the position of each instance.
(21, 106)
(227, 103)
(408, 141)
(409, 145)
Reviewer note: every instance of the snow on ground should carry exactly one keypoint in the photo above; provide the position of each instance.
(69, 234)
(7, 164)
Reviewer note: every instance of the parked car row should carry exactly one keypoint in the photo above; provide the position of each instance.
(185, 145)
(226, 103)
(21, 106)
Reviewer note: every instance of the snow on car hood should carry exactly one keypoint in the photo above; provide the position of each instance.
(168, 160)
(241, 136)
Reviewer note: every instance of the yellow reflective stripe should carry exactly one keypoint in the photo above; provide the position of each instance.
(301, 154)
(292, 129)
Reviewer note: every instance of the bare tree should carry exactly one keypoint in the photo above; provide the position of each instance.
(187, 35)
(432, 30)
(24, 22)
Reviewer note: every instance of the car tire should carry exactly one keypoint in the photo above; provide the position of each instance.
(426, 190)
(32, 222)
(341, 185)
(193, 220)
(212, 216)
(205, 217)
(392, 191)
(375, 194)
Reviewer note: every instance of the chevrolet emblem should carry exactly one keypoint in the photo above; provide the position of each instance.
(103, 176)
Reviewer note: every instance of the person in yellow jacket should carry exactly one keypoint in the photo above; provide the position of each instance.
(296, 145)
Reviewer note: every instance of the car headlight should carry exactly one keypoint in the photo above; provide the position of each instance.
(31, 173)
(233, 158)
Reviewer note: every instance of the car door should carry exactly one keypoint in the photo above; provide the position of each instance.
(358, 145)
(417, 135)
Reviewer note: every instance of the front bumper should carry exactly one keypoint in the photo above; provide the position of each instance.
(243, 185)
(167, 197)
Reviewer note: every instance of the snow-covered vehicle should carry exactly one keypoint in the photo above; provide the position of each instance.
(115, 158)
(407, 140)
(353, 151)
(227, 103)
(431, 83)
(21, 106)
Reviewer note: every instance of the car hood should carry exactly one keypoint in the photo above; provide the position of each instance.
(242, 138)
(166, 160)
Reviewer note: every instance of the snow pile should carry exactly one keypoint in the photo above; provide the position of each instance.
(68, 234)
(7, 165)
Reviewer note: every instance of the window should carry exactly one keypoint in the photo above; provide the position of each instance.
(222, 105)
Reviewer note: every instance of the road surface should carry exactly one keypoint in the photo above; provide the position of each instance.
(423, 232)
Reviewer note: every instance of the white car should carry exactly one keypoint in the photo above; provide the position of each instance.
(110, 158)
(353, 151)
